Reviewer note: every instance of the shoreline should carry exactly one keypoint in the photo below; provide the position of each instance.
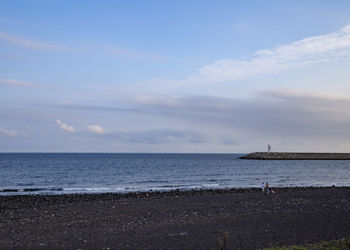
(176, 219)
(170, 192)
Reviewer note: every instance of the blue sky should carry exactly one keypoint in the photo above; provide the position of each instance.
(174, 76)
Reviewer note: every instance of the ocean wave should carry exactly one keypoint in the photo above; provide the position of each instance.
(25, 184)
(27, 190)
(92, 189)
(142, 188)
(211, 185)
(153, 181)
(107, 189)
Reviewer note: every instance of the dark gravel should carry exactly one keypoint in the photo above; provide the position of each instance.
(175, 220)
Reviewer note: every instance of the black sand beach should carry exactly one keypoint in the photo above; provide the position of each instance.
(175, 220)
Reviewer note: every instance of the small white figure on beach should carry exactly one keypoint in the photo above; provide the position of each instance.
(269, 148)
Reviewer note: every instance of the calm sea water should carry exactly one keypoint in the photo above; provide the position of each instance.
(46, 173)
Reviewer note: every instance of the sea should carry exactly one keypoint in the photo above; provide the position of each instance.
(67, 173)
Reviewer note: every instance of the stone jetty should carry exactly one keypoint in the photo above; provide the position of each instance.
(295, 156)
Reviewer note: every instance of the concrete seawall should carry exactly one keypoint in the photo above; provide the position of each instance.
(295, 156)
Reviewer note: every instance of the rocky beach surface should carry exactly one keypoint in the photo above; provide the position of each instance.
(175, 220)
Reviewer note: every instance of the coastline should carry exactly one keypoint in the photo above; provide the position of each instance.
(176, 219)
(160, 193)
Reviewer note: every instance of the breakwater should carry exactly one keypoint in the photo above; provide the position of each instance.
(295, 156)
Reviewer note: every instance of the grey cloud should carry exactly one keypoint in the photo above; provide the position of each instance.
(271, 113)
(228, 141)
(158, 136)
(86, 107)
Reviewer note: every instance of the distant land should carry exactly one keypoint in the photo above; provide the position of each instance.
(295, 156)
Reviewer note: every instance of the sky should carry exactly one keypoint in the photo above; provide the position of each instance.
(174, 76)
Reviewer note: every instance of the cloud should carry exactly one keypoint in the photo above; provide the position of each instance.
(157, 136)
(275, 114)
(22, 42)
(299, 54)
(96, 129)
(6, 132)
(12, 82)
(64, 126)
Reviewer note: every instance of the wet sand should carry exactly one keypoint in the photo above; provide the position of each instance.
(175, 220)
